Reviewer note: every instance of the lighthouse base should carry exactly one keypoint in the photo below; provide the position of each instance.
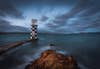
(33, 39)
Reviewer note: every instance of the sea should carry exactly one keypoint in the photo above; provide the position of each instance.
(85, 48)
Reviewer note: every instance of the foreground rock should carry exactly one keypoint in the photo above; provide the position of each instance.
(50, 59)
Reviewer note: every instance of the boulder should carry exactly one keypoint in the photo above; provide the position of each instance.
(50, 59)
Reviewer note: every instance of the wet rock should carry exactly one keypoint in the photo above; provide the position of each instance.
(50, 59)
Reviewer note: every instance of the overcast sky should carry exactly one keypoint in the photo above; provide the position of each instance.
(54, 16)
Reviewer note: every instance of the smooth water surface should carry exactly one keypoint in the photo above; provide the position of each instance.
(84, 48)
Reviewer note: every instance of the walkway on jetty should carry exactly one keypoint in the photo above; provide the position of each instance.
(5, 48)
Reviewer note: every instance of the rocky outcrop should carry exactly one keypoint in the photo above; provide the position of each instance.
(50, 59)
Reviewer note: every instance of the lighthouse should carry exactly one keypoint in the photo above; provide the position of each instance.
(34, 30)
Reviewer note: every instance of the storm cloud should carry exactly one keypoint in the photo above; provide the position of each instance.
(8, 9)
(43, 2)
(44, 18)
(57, 16)
(83, 16)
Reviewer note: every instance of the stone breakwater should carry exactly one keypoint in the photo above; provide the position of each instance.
(50, 59)
(5, 48)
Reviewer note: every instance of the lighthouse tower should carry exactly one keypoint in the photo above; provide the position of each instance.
(34, 30)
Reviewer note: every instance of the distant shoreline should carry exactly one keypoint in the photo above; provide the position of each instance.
(14, 32)
(49, 33)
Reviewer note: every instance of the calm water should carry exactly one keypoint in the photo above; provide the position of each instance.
(84, 47)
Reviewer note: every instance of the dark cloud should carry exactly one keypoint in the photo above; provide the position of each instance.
(80, 7)
(82, 15)
(86, 23)
(93, 8)
(42, 2)
(52, 26)
(62, 19)
(76, 9)
(5, 26)
(86, 12)
(44, 18)
(8, 9)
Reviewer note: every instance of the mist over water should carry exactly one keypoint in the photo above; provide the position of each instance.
(84, 48)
